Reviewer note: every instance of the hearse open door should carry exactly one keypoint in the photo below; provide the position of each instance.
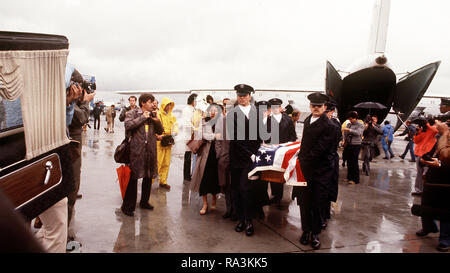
(35, 159)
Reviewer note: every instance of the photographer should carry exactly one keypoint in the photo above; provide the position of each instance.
(424, 140)
(142, 125)
(80, 117)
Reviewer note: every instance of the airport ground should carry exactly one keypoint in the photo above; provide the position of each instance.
(373, 216)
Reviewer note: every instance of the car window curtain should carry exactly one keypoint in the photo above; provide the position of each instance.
(37, 77)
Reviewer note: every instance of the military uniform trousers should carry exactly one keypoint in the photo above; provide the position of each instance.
(243, 194)
(312, 203)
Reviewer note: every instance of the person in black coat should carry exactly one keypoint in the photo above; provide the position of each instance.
(318, 140)
(242, 131)
(282, 130)
(260, 189)
(97, 112)
(334, 161)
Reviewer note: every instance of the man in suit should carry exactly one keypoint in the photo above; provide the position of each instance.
(242, 129)
(282, 130)
(317, 142)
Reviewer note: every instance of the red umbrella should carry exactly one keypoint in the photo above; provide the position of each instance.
(123, 172)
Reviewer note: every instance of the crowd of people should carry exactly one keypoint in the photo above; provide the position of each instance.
(229, 134)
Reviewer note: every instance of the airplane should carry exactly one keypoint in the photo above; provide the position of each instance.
(371, 78)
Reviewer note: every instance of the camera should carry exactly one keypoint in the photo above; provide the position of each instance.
(443, 117)
(89, 84)
(153, 114)
(89, 87)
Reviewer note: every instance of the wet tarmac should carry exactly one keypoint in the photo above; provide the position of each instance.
(373, 216)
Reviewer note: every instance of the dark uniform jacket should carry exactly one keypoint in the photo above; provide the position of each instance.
(334, 160)
(318, 141)
(286, 130)
(97, 111)
(243, 135)
(143, 162)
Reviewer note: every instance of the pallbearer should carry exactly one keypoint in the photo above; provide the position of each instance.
(317, 142)
(261, 194)
(282, 130)
(333, 158)
(242, 128)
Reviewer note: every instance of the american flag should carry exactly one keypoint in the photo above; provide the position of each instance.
(281, 158)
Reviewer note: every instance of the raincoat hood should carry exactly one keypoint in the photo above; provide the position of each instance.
(168, 120)
(165, 101)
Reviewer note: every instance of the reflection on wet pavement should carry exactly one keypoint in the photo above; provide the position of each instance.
(371, 217)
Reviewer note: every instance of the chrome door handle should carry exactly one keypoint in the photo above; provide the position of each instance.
(48, 166)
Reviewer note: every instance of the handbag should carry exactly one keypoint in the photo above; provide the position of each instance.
(195, 144)
(167, 140)
(122, 152)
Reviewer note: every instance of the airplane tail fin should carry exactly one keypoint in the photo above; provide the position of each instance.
(380, 22)
(411, 88)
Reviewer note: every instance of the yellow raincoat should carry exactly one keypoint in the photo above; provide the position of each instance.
(170, 125)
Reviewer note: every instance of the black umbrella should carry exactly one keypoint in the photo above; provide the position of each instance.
(370, 105)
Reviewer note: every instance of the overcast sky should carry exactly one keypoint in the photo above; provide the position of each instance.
(202, 44)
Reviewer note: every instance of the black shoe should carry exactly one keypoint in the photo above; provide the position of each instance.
(416, 193)
(227, 215)
(443, 248)
(324, 225)
(146, 206)
(423, 233)
(240, 227)
(385, 158)
(315, 242)
(402, 157)
(305, 238)
(126, 212)
(249, 230)
(412, 161)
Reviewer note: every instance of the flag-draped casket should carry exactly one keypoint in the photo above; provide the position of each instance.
(279, 163)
